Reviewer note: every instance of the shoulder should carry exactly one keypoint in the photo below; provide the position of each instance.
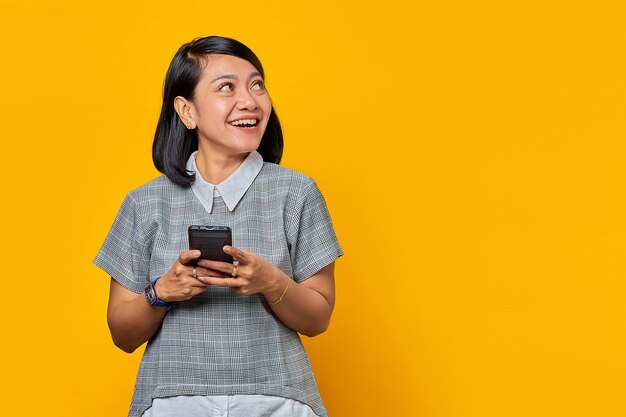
(283, 178)
(159, 189)
(155, 197)
(297, 192)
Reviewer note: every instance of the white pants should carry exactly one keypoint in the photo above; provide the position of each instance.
(228, 406)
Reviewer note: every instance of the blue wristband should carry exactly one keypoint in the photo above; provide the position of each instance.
(153, 299)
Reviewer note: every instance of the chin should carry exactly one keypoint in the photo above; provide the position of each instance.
(247, 146)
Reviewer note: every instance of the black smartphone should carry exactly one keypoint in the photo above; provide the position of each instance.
(210, 240)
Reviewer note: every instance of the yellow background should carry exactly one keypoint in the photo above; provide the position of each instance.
(472, 155)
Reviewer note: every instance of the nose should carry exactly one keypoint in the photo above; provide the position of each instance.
(246, 100)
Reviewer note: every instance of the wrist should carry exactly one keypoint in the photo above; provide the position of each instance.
(282, 286)
(160, 289)
(152, 296)
(277, 285)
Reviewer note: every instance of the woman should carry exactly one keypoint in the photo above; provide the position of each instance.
(221, 337)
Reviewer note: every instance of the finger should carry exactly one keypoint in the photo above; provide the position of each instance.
(199, 284)
(224, 267)
(206, 272)
(186, 257)
(221, 282)
(239, 254)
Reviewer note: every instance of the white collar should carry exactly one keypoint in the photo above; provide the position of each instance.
(232, 188)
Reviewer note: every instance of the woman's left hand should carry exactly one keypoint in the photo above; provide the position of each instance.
(252, 275)
(306, 308)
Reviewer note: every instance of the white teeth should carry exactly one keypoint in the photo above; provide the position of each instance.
(251, 122)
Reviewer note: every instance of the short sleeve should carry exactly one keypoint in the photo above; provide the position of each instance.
(312, 240)
(125, 253)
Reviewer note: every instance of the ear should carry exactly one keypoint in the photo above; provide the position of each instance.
(186, 111)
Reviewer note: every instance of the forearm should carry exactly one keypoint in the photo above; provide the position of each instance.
(132, 321)
(305, 307)
(302, 309)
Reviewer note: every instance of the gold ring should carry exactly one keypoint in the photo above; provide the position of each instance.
(234, 273)
(195, 272)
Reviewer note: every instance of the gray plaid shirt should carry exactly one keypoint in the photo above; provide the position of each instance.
(220, 342)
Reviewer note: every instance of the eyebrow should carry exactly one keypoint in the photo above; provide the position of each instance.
(234, 77)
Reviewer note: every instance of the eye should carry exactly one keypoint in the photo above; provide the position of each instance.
(226, 87)
(258, 85)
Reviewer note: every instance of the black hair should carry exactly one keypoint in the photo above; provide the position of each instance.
(173, 142)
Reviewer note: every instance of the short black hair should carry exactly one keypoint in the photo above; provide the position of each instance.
(173, 142)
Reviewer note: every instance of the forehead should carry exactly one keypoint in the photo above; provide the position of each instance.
(218, 65)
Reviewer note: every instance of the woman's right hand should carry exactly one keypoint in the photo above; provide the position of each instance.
(179, 283)
(132, 321)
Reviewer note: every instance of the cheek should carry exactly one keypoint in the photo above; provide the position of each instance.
(266, 106)
(213, 110)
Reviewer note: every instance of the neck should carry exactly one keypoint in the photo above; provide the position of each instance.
(215, 167)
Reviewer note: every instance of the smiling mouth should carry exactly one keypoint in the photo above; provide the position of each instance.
(245, 123)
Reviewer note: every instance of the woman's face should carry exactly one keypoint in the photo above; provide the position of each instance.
(230, 108)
